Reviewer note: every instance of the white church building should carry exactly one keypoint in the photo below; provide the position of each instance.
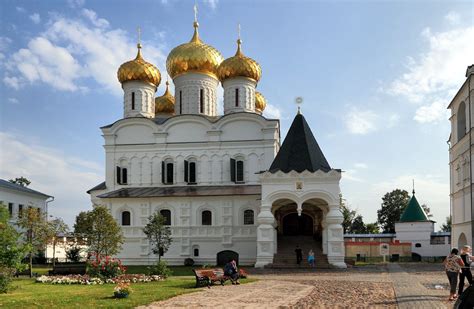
(225, 184)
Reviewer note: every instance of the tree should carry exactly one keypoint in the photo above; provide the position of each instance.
(104, 236)
(347, 213)
(22, 181)
(358, 226)
(446, 227)
(372, 228)
(427, 211)
(35, 229)
(158, 234)
(83, 223)
(12, 251)
(393, 205)
(56, 227)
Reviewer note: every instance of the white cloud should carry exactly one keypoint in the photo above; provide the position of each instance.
(212, 3)
(361, 122)
(435, 112)
(13, 100)
(351, 174)
(76, 3)
(361, 165)
(393, 120)
(4, 44)
(35, 17)
(51, 172)
(77, 52)
(272, 112)
(435, 74)
(92, 17)
(453, 18)
(20, 9)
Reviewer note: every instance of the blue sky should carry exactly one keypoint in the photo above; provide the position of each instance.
(376, 79)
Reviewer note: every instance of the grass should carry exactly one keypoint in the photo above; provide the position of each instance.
(28, 294)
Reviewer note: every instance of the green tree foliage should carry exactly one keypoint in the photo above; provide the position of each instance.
(104, 237)
(56, 227)
(358, 226)
(372, 228)
(427, 211)
(83, 223)
(73, 254)
(446, 227)
(22, 181)
(12, 251)
(158, 234)
(35, 232)
(347, 213)
(393, 205)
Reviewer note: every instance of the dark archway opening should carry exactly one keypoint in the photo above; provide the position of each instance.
(294, 225)
(226, 256)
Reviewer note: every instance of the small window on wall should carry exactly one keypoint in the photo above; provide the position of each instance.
(20, 211)
(133, 100)
(201, 101)
(248, 217)
(206, 217)
(236, 170)
(418, 245)
(10, 209)
(167, 172)
(166, 213)
(126, 218)
(121, 175)
(196, 252)
(236, 97)
(189, 172)
(180, 102)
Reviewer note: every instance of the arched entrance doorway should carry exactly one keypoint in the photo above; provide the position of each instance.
(294, 225)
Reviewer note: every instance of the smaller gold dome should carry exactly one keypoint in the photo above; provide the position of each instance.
(194, 56)
(239, 65)
(165, 103)
(139, 69)
(260, 102)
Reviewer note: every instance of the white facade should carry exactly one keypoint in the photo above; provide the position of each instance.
(196, 93)
(63, 244)
(16, 197)
(460, 166)
(138, 99)
(424, 241)
(239, 95)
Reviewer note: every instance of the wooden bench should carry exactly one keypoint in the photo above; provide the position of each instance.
(209, 276)
(68, 269)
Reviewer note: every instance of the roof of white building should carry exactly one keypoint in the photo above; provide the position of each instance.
(19, 188)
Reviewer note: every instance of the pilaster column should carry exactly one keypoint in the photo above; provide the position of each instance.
(335, 237)
(266, 241)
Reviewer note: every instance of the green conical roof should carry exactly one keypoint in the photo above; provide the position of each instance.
(414, 212)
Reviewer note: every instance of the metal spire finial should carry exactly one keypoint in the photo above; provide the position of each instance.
(299, 101)
(238, 30)
(413, 180)
(195, 12)
(139, 34)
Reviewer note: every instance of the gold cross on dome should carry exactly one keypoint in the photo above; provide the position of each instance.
(139, 33)
(195, 12)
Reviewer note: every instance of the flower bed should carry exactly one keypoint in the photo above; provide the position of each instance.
(87, 280)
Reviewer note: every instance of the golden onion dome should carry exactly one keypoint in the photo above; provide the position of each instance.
(165, 103)
(239, 65)
(139, 69)
(194, 56)
(260, 102)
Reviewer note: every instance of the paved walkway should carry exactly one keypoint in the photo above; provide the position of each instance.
(410, 293)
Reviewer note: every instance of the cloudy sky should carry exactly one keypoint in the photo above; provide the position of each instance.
(376, 79)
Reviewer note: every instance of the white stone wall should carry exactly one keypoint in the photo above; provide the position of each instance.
(144, 99)
(246, 97)
(22, 198)
(190, 85)
(420, 233)
(227, 231)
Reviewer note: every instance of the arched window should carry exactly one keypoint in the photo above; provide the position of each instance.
(237, 170)
(248, 217)
(190, 171)
(121, 173)
(201, 101)
(125, 217)
(206, 217)
(167, 172)
(166, 213)
(196, 251)
(236, 97)
(180, 102)
(133, 100)
(418, 245)
(461, 120)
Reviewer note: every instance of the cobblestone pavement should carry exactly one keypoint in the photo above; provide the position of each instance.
(394, 286)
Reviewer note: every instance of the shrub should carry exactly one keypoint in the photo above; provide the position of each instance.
(188, 262)
(74, 254)
(105, 267)
(160, 269)
(6, 275)
(39, 258)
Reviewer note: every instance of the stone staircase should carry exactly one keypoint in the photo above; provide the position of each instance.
(285, 258)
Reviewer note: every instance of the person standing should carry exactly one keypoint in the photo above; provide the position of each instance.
(311, 258)
(466, 269)
(452, 264)
(299, 255)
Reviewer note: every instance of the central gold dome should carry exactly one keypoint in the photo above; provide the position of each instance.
(239, 66)
(194, 56)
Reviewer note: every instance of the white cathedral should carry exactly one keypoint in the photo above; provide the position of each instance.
(225, 185)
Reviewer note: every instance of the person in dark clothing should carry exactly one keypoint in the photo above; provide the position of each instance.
(299, 255)
(466, 269)
(230, 270)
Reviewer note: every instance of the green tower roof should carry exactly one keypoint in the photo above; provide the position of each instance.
(414, 212)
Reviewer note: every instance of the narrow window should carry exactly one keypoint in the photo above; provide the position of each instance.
(206, 217)
(196, 251)
(20, 211)
(167, 173)
(461, 121)
(121, 175)
(133, 100)
(201, 101)
(192, 172)
(166, 213)
(248, 217)
(180, 102)
(239, 175)
(126, 218)
(232, 169)
(236, 97)
(10, 209)
(124, 176)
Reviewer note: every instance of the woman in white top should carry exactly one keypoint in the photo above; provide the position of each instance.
(452, 264)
